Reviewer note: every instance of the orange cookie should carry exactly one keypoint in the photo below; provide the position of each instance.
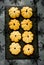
(26, 24)
(14, 24)
(15, 48)
(28, 49)
(26, 12)
(27, 37)
(15, 36)
(14, 12)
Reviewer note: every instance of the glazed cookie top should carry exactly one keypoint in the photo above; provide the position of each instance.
(26, 24)
(15, 48)
(27, 37)
(14, 24)
(15, 36)
(14, 12)
(28, 49)
(26, 12)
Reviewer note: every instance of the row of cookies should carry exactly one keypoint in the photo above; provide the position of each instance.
(27, 36)
(26, 24)
(15, 49)
(26, 12)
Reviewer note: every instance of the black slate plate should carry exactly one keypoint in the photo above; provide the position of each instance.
(34, 29)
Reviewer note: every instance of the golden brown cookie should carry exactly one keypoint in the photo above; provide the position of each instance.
(14, 24)
(15, 48)
(27, 37)
(15, 36)
(26, 12)
(14, 12)
(26, 24)
(28, 49)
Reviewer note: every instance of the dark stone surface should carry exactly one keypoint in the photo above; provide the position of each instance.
(40, 8)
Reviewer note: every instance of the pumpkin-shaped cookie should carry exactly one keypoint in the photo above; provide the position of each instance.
(15, 48)
(14, 12)
(28, 49)
(27, 37)
(26, 12)
(15, 36)
(26, 24)
(14, 24)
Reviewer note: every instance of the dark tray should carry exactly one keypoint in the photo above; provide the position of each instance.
(34, 29)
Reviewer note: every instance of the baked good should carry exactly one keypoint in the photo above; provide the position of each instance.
(15, 36)
(26, 24)
(28, 49)
(14, 24)
(27, 37)
(14, 12)
(26, 12)
(15, 48)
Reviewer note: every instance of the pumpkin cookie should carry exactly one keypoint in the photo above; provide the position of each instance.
(26, 12)
(15, 48)
(14, 12)
(28, 49)
(14, 24)
(26, 24)
(27, 37)
(15, 36)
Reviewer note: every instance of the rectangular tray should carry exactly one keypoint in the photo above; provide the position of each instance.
(34, 29)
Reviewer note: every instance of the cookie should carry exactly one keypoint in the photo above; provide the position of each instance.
(15, 36)
(26, 12)
(15, 48)
(28, 49)
(14, 12)
(14, 24)
(26, 24)
(27, 37)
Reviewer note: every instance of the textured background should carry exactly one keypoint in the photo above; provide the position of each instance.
(40, 12)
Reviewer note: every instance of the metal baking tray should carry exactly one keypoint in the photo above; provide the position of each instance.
(34, 29)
